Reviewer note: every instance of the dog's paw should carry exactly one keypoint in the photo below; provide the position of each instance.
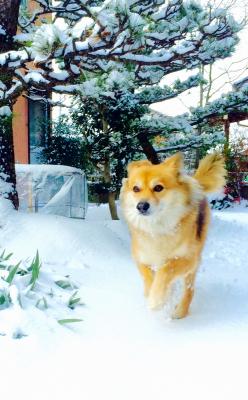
(155, 303)
(179, 314)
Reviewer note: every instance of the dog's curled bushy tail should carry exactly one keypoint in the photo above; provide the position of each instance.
(211, 173)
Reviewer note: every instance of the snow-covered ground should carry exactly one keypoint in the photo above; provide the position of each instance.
(121, 350)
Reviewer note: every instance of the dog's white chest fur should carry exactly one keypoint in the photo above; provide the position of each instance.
(156, 251)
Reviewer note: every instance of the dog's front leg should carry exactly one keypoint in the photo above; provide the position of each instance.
(182, 308)
(163, 279)
(147, 275)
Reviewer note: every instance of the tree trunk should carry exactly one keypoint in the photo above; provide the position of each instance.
(7, 160)
(112, 206)
(227, 135)
(111, 194)
(9, 11)
(148, 149)
(201, 104)
(107, 176)
(197, 150)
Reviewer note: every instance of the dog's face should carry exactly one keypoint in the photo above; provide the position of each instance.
(155, 197)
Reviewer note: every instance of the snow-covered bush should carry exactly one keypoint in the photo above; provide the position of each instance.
(23, 285)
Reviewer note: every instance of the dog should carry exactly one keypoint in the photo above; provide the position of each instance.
(168, 216)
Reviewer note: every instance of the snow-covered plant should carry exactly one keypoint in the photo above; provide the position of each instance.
(47, 39)
(21, 286)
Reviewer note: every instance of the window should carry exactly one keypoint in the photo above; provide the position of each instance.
(38, 123)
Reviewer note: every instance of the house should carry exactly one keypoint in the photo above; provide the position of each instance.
(30, 127)
(30, 122)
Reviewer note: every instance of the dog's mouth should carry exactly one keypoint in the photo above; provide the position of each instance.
(145, 213)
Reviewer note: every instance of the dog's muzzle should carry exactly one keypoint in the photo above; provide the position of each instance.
(143, 207)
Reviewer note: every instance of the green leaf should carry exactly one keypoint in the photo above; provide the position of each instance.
(64, 284)
(5, 299)
(69, 321)
(74, 300)
(12, 273)
(2, 299)
(35, 269)
(6, 258)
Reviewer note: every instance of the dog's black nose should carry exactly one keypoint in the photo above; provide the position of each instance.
(143, 206)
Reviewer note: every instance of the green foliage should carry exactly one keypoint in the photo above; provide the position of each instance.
(74, 300)
(65, 146)
(35, 270)
(5, 299)
(25, 279)
(109, 134)
(69, 321)
(81, 140)
(12, 272)
(66, 284)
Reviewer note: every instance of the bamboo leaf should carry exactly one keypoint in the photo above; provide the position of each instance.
(35, 269)
(74, 300)
(12, 273)
(68, 321)
(64, 284)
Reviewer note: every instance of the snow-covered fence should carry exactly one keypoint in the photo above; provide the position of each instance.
(52, 189)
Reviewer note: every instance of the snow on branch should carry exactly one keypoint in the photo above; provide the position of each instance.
(154, 123)
(194, 141)
(154, 94)
(150, 39)
(232, 102)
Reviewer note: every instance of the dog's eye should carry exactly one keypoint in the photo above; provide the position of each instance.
(136, 189)
(158, 188)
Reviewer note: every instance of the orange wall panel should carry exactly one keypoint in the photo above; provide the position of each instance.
(20, 130)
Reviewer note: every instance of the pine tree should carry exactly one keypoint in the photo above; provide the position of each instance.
(136, 41)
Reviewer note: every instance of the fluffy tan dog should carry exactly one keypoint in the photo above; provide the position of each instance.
(168, 216)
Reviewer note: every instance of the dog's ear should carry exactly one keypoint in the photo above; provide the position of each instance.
(136, 164)
(175, 162)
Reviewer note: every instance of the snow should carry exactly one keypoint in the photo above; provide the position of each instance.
(35, 76)
(5, 111)
(148, 59)
(43, 169)
(60, 76)
(2, 31)
(18, 56)
(122, 350)
(47, 37)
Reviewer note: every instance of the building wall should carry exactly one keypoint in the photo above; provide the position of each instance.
(20, 130)
(20, 121)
